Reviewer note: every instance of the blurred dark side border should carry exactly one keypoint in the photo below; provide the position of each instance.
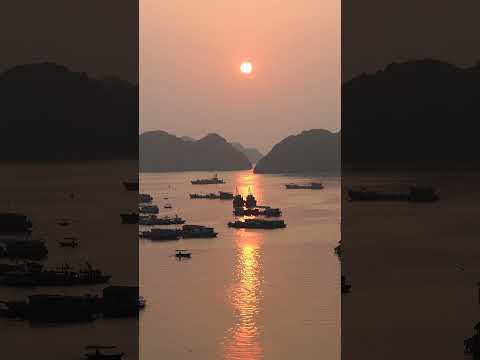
(410, 169)
(69, 110)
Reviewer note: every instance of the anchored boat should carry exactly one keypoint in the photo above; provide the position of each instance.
(311, 186)
(258, 224)
(213, 180)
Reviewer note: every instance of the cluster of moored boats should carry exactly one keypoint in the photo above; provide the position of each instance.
(25, 270)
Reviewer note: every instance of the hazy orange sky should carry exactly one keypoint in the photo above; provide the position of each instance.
(190, 82)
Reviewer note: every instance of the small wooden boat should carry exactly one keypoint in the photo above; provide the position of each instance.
(183, 254)
(68, 242)
(64, 222)
(99, 355)
(168, 206)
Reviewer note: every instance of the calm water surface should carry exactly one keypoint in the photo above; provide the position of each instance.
(248, 294)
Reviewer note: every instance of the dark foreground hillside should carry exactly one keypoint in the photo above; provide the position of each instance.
(51, 113)
(417, 114)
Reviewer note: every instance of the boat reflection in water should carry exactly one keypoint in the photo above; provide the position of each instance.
(245, 296)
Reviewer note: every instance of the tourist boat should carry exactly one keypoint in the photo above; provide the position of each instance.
(161, 234)
(183, 254)
(145, 198)
(148, 209)
(414, 194)
(197, 231)
(68, 242)
(258, 224)
(131, 185)
(338, 249)
(99, 355)
(129, 218)
(250, 201)
(211, 196)
(214, 180)
(345, 288)
(152, 220)
(311, 186)
(64, 222)
(14, 222)
(55, 308)
(238, 201)
(119, 301)
(5, 268)
(64, 276)
(271, 212)
(23, 249)
(225, 195)
(246, 212)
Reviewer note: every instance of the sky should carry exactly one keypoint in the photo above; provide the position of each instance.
(190, 55)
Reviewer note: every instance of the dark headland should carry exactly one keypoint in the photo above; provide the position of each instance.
(310, 151)
(161, 151)
(66, 115)
(418, 114)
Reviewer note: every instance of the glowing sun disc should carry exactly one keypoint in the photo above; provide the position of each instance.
(246, 67)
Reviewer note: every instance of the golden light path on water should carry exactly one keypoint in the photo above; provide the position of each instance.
(242, 339)
(247, 184)
(245, 295)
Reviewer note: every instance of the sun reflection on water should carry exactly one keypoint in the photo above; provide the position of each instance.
(242, 339)
(247, 183)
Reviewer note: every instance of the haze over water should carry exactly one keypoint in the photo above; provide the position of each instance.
(248, 294)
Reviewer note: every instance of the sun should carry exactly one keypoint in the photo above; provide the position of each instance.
(246, 68)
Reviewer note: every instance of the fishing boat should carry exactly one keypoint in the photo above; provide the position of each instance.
(197, 231)
(145, 198)
(271, 212)
(213, 180)
(129, 218)
(148, 209)
(238, 201)
(345, 288)
(161, 234)
(257, 224)
(183, 254)
(55, 308)
(23, 249)
(240, 211)
(250, 201)
(311, 186)
(63, 276)
(131, 185)
(211, 196)
(99, 354)
(64, 222)
(414, 194)
(225, 195)
(151, 220)
(14, 222)
(68, 242)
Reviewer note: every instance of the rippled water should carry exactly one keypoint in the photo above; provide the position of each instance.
(248, 294)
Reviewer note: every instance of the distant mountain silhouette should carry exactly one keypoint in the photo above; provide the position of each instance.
(417, 114)
(51, 113)
(187, 138)
(252, 154)
(160, 151)
(310, 151)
